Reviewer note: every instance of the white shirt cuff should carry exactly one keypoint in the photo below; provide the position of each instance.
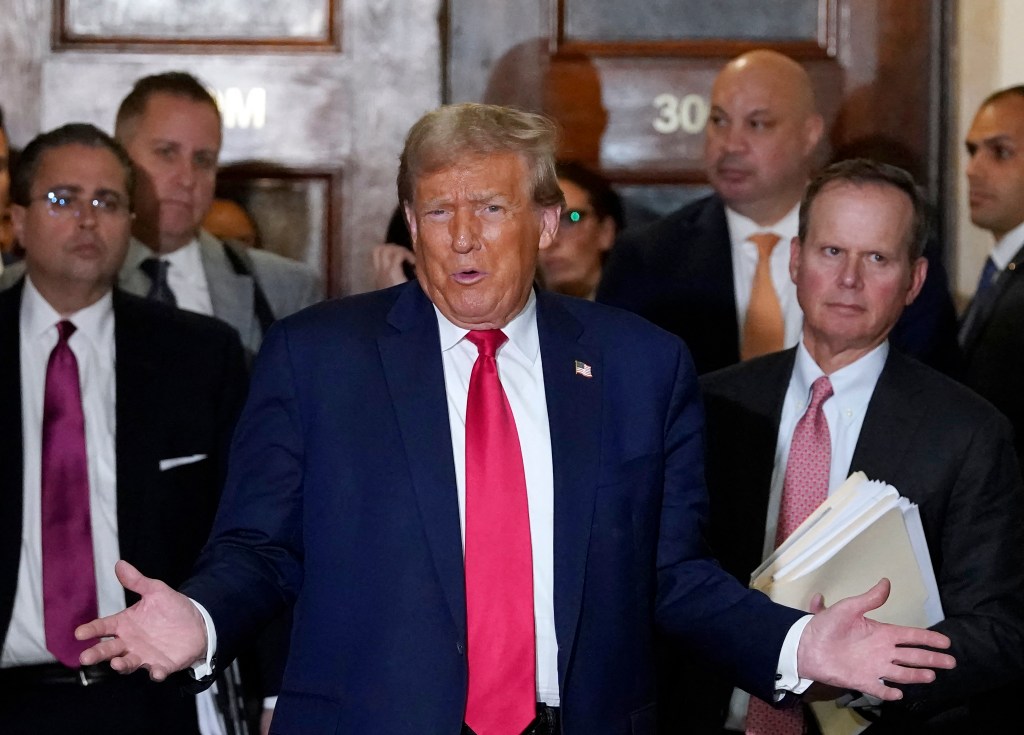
(270, 702)
(203, 667)
(787, 677)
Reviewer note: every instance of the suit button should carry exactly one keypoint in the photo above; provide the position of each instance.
(460, 647)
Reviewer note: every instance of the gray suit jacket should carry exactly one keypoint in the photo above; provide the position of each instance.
(288, 285)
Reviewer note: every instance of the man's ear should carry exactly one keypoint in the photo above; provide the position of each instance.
(606, 235)
(814, 129)
(18, 213)
(918, 274)
(410, 222)
(549, 224)
(794, 258)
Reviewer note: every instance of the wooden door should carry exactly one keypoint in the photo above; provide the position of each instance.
(316, 97)
(630, 82)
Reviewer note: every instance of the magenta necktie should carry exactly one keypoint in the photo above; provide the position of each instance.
(69, 577)
(502, 694)
(804, 488)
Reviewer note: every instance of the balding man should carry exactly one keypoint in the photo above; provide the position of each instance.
(715, 271)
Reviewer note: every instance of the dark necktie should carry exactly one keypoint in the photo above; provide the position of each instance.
(159, 289)
(975, 315)
(804, 488)
(69, 576)
(502, 693)
(987, 278)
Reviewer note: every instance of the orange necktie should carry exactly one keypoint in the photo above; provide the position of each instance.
(502, 697)
(763, 330)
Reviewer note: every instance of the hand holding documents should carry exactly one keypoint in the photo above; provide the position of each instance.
(863, 532)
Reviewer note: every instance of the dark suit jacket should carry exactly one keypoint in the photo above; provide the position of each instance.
(180, 381)
(943, 448)
(342, 493)
(994, 345)
(677, 272)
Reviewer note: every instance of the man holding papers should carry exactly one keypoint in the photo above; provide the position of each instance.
(787, 429)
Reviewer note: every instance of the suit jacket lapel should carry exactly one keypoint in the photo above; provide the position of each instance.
(574, 417)
(892, 418)
(981, 308)
(11, 461)
(135, 375)
(712, 276)
(231, 294)
(131, 278)
(415, 377)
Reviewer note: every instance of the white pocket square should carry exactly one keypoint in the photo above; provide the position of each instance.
(170, 464)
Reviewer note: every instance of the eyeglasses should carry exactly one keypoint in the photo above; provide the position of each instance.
(572, 217)
(70, 204)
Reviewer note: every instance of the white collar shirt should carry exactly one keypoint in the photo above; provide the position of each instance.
(1007, 246)
(744, 265)
(186, 278)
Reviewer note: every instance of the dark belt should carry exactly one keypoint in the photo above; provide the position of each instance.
(547, 722)
(56, 675)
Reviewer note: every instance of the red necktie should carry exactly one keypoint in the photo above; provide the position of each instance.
(804, 488)
(499, 563)
(69, 577)
(763, 329)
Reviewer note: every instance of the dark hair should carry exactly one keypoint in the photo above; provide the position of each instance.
(864, 172)
(441, 137)
(176, 83)
(1014, 91)
(603, 199)
(85, 134)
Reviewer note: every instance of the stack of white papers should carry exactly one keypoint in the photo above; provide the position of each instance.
(863, 532)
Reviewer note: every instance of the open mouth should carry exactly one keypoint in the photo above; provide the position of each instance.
(468, 276)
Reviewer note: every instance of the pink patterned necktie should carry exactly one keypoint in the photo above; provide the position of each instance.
(502, 693)
(804, 488)
(69, 576)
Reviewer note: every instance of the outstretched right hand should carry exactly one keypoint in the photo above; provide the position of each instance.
(162, 633)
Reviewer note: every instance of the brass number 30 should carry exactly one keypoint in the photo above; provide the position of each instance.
(688, 114)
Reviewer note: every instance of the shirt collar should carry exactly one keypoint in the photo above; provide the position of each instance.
(186, 259)
(92, 322)
(1007, 247)
(521, 331)
(852, 383)
(741, 228)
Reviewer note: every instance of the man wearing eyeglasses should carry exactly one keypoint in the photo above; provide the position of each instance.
(117, 416)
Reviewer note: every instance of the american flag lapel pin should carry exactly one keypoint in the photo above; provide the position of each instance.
(584, 369)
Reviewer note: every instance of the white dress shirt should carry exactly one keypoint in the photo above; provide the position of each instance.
(187, 278)
(744, 264)
(1007, 246)
(93, 346)
(522, 377)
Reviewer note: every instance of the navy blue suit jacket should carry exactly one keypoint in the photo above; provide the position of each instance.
(677, 272)
(341, 495)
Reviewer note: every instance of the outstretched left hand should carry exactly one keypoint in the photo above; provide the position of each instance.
(842, 648)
